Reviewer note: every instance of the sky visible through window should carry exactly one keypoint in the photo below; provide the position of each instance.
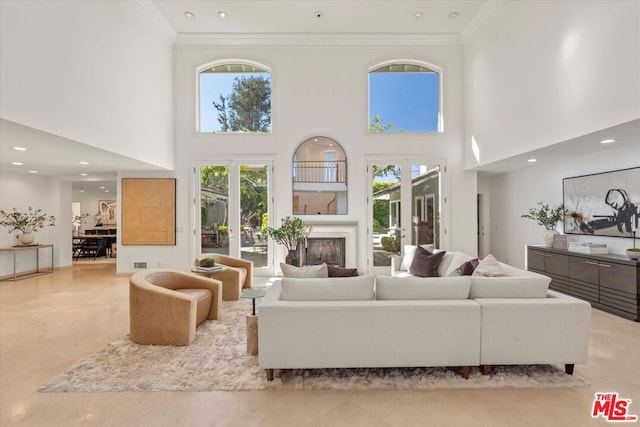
(212, 85)
(408, 100)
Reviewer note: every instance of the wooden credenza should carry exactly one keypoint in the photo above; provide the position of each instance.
(609, 282)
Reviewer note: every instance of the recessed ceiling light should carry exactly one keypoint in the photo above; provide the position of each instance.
(318, 14)
(454, 15)
(102, 188)
(17, 163)
(19, 148)
(418, 15)
(106, 191)
(83, 163)
(84, 174)
(33, 171)
(607, 141)
(223, 14)
(82, 190)
(189, 15)
(532, 160)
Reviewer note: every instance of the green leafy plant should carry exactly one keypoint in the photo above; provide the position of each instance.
(545, 215)
(26, 222)
(390, 244)
(290, 233)
(207, 262)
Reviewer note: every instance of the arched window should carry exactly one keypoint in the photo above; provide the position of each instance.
(319, 178)
(404, 97)
(234, 96)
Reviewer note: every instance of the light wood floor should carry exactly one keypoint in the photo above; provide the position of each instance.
(49, 322)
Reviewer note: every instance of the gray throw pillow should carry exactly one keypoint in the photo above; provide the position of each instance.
(311, 271)
(468, 267)
(341, 272)
(425, 264)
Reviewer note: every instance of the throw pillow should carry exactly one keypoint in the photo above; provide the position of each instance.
(489, 267)
(409, 252)
(335, 271)
(468, 267)
(311, 271)
(457, 260)
(425, 263)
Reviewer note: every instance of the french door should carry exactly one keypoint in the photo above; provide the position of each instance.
(231, 209)
(404, 208)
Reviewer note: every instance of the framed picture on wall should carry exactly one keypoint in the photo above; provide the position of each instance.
(602, 204)
(148, 211)
(107, 212)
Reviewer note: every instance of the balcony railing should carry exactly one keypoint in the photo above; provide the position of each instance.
(334, 171)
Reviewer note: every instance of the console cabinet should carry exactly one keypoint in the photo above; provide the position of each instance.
(609, 282)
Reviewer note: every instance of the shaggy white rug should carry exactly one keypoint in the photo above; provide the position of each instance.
(217, 360)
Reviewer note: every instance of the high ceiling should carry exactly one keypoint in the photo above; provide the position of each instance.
(53, 155)
(319, 16)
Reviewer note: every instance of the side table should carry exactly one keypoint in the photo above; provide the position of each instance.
(252, 320)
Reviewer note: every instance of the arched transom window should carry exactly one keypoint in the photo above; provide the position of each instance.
(234, 97)
(404, 97)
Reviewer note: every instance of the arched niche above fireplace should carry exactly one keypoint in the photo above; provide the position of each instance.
(319, 178)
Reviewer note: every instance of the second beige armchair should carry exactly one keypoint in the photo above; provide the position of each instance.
(238, 275)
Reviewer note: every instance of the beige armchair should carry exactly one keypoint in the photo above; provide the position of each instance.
(166, 306)
(237, 276)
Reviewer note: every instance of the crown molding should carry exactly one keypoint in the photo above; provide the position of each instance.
(317, 40)
(153, 15)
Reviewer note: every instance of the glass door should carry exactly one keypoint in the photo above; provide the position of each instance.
(404, 206)
(233, 210)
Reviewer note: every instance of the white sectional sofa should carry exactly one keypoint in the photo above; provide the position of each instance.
(389, 321)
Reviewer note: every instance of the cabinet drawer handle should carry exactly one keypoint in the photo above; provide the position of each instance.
(591, 263)
(605, 265)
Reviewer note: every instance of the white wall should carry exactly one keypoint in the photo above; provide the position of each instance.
(97, 72)
(323, 91)
(541, 72)
(22, 191)
(512, 194)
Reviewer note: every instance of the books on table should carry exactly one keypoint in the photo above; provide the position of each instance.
(207, 269)
(589, 248)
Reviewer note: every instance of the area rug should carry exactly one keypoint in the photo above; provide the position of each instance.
(217, 360)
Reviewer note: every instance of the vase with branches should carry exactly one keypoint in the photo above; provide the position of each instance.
(292, 232)
(26, 222)
(547, 217)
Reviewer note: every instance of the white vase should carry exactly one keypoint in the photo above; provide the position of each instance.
(633, 254)
(26, 239)
(548, 237)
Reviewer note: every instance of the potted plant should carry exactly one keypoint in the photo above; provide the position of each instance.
(290, 234)
(548, 217)
(26, 222)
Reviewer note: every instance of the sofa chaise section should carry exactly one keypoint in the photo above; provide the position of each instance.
(551, 330)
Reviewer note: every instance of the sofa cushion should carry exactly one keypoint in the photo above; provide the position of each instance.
(409, 252)
(425, 263)
(341, 272)
(310, 271)
(419, 288)
(358, 288)
(489, 267)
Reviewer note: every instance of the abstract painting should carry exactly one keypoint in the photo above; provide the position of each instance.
(603, 204)
(148, 211)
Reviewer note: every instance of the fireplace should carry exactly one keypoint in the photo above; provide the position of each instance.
(342, 233)
(329, 250)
